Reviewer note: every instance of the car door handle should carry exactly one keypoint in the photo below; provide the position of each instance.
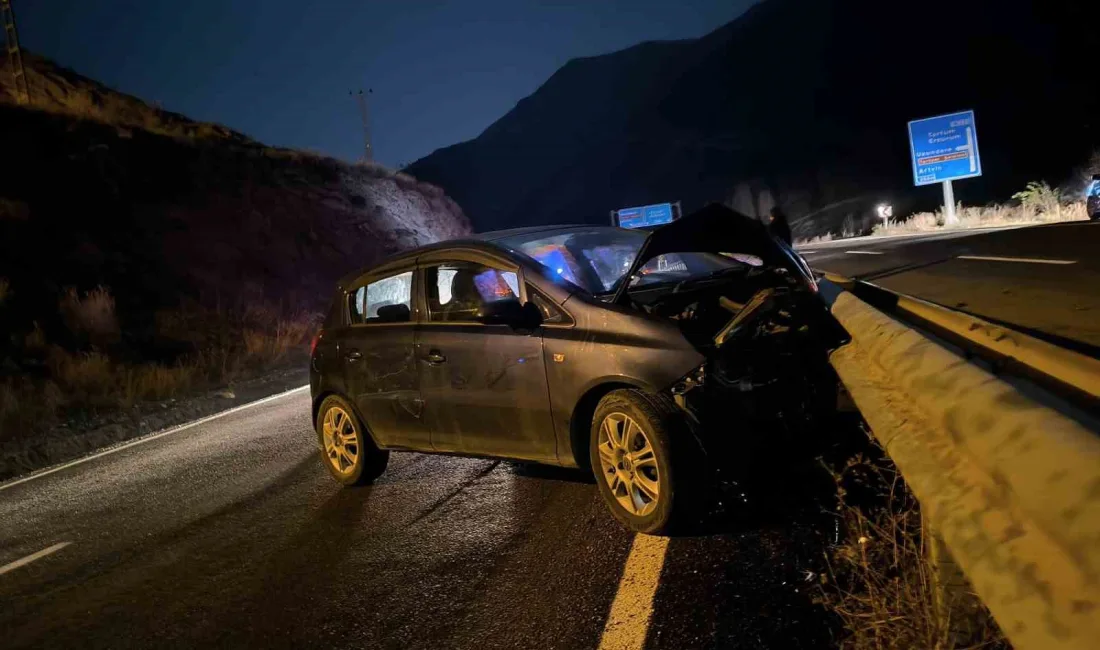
(353, 355)
(435, 357)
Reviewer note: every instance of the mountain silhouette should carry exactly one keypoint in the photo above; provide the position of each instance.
(798, 102)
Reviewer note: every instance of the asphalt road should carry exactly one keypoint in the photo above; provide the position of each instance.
(1044, 279)
(231, 534)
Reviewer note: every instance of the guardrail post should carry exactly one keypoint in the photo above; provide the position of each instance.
(953, 597)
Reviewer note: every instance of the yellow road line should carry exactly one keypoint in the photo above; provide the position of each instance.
(628, 622)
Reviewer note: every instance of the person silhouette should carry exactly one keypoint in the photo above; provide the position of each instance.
(778, 225)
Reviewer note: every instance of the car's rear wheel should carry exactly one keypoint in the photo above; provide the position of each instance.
(346, 450)
(639, 462)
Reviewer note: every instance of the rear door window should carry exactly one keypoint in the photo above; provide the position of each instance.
(386, 300)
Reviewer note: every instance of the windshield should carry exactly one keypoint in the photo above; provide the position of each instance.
(595, 259)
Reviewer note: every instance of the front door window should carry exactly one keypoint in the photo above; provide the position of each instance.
(460, 291)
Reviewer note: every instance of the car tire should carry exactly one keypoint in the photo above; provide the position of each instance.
(627, 490)
(347, 450)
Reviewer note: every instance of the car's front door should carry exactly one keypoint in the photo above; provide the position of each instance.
(378, 353)
(484, 386)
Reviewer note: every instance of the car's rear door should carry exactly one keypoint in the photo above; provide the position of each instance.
(378, 355)
(484, 386)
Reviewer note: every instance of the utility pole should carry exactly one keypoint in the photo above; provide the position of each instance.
(15, 57)
(368, 154)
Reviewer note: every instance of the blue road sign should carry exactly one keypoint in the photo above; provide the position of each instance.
(631, 218)
(944, 148)
(648, 215)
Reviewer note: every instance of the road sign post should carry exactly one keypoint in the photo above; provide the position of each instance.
(949, 204)
(945, 148)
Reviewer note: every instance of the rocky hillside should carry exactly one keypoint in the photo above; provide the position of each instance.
(147, 260)
(800, 102)
(98, 188)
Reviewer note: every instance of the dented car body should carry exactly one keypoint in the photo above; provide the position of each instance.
(640, 355)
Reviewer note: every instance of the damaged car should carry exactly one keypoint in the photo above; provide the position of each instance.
(656, 360)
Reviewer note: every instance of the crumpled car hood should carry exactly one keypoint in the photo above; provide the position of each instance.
(716, 229)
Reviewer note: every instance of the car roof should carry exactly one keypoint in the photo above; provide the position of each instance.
(496, 235)
(486, 240)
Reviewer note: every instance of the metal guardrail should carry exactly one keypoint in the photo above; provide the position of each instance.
(1011, 486)
(1009, 348)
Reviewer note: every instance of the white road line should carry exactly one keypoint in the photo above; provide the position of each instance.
(32, 557)
(628, 622)
(149, 438)
(1022, 260)
(863, 252)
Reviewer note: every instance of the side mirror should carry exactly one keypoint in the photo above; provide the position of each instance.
(510, 312)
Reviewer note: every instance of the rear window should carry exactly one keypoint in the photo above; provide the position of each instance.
(387, 300)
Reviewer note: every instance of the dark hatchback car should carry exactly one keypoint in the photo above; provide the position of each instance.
(651, 358)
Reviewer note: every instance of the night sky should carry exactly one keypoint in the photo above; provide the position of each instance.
(441, 71)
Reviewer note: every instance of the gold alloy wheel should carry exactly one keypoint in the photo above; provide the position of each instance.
(341, 443)
(629, 464)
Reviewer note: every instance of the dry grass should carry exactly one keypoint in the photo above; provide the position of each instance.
(880, 581)
(848, 231)
(35, 340)
(116, 109)
(91, 315)
(27, 406)
(1038, 203)
(215, 347)
(1045, 208)
(87, 378)
(275, 346)
(155, 382)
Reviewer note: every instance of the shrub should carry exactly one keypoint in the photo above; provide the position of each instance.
(91, 316)
(1039, 197)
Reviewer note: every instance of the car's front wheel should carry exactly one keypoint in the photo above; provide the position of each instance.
(347, 450)
(639, 463)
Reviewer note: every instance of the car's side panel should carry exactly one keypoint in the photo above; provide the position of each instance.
(609, 345)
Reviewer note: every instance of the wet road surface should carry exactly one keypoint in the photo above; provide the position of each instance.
(1042, 279)
(232, 534)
